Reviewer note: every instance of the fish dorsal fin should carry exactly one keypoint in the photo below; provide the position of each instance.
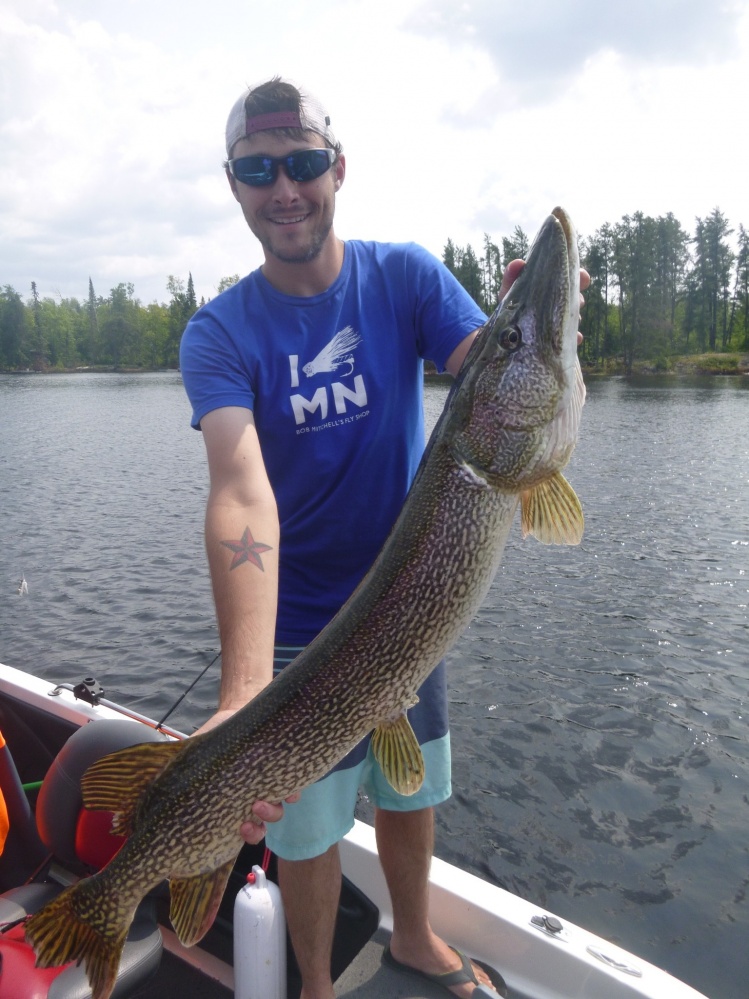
(397, 750)
(552, 513)
(116, 782)
(195, 902)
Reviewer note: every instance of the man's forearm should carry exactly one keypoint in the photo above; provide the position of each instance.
(242, 549)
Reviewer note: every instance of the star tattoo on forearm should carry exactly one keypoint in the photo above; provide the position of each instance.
(246, 550)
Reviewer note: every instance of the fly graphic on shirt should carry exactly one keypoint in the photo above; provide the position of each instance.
(337, 358)
(336, 354)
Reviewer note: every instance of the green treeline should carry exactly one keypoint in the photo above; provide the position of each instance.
(112, 332)
(656, 291)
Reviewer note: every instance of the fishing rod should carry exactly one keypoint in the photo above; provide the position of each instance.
(184, 694)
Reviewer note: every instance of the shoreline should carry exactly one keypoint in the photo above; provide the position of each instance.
(682, 366)
(685, 366)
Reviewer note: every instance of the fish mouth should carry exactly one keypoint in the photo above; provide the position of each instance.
(566, 223)
(548, 284)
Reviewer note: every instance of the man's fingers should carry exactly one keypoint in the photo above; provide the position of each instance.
(253, 830)
(508, 278)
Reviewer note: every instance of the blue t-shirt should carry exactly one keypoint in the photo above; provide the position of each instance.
(335, 385)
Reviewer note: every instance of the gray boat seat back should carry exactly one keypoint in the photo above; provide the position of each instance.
(71, 833)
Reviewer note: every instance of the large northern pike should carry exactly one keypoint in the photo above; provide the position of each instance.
(509, 426)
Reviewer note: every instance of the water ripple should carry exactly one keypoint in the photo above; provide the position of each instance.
(598, 702)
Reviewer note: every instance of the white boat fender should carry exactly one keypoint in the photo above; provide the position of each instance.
(259, 940)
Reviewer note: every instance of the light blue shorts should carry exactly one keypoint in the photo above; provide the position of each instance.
(325, 812)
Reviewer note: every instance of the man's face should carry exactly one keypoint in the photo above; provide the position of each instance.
(291, 219)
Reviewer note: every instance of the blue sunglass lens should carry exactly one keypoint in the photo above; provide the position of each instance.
(307, 164)
(255, 170)
(301, 166)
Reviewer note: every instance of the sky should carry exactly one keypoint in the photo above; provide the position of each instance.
(457, 118)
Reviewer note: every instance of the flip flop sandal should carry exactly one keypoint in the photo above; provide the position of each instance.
(450, 979)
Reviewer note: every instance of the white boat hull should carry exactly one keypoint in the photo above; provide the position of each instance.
(538, 959)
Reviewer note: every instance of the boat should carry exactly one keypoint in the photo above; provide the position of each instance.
(539, 955)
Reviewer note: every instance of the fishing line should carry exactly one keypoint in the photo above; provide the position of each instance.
(184, 694)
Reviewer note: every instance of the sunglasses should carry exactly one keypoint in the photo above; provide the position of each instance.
(300, 166)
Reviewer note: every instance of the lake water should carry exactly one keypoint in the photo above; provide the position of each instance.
(599, 701)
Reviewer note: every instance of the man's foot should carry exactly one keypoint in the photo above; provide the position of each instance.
(461, 979)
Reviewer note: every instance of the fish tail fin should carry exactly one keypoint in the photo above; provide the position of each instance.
(66, 930)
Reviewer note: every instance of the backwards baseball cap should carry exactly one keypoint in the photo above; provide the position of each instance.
(310, 116)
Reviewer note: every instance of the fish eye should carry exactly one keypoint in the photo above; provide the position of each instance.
(511, 338)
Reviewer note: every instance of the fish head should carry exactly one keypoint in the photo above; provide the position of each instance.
(515, 410)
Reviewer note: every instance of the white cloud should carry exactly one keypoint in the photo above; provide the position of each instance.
(455, 121)
(544, 45)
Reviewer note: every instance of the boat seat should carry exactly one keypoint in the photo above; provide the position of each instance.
(79, 841)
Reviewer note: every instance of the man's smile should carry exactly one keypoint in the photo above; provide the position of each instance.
(287, 220)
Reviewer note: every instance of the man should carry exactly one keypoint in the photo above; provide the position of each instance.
(306, 379)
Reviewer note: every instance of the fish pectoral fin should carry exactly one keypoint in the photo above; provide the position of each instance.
(551, 512)
(397, 750)
(116, 782)
(195, 902)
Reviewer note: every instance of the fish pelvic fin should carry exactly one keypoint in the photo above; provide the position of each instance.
(397, 750)
(195, 902)
(552, 513)
(116, 782)
(65, 930)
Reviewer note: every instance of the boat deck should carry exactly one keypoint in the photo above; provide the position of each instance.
(368, 978)
(365, 978)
